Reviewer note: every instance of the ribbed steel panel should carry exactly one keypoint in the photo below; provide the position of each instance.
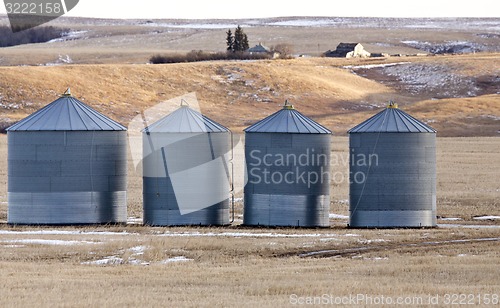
(25, 152)
(88, 167)
(175, 148)
(29, 183)
(286, 210)
(105, 138)
(63, 152)
(288, 179)
(64, 208)
(394, 219)
(65, 180)
(162, 209)
(79, 183)
(108, 152)
(398, 189)
(33, 168)
(38, 138)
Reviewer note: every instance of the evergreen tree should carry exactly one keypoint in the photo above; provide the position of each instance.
(229, 40)
(239, 40)
(244, 43)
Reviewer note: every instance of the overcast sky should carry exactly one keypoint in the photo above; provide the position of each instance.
(268, 8)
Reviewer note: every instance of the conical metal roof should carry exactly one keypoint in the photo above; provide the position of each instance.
(186, 120)
(66, 114)
(392, 120)
(288, 120)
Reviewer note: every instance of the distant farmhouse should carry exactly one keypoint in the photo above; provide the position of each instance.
(261, 49)
(348, 50)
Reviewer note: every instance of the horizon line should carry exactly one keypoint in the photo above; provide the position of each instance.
(273, 17)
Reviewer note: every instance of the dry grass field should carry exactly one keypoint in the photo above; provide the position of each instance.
(104, 62)
(107, 41)
(132, 265)
(154, 267)
(238, 93)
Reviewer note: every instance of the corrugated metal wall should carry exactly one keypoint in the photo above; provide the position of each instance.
(67, 177)
(291, 195)
(185, 152)
(398, 187)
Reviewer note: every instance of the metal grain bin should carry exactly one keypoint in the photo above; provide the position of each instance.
(185, 170)
(288, 164)
(67, 164)
(392, 172)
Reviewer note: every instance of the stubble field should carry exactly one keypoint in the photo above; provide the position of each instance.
(134, 265)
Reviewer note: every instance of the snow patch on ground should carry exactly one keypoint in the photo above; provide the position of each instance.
(330, 239)
(176, 259)
(486, 239)
(185, 234)
(63, 232)
(451, 218)
(377, 240)
(306, 23)
(370, 66)
(449, 47)
(138, 250)
(60, 61)
(192, 25)
(111, 260)
(116, 260)
(134, 221)
(438, 79)
(248, 234)
(370, 259)
(133, 259)
(9, 106)
(490, 116)
(376, 258)
(490, 217)
(485, 26)
(47, 242)
(338, 216)
(72, 35)
(468, 226)
(429, 79)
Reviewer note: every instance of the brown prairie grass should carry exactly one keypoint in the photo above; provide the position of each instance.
(228, 271)
(228, 91)
(468, 178)
(238, 94)
(248, 267)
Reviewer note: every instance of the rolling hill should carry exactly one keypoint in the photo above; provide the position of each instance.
(105, 62)
(238, 93)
